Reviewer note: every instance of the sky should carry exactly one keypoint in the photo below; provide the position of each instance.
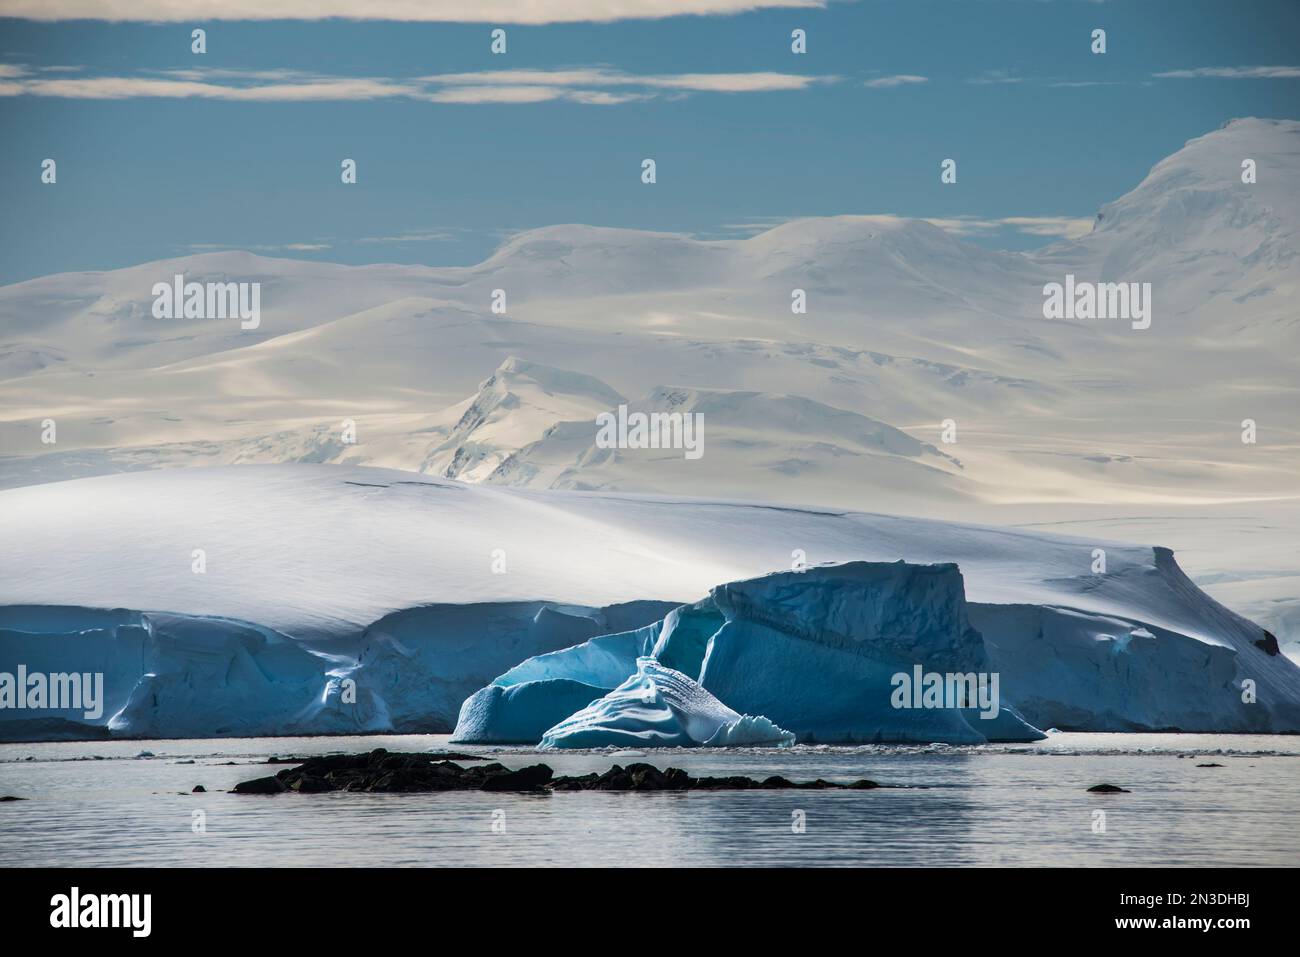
(162, 152)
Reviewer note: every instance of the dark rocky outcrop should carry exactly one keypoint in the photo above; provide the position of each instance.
(381, 771)
(432, 755)
(1269, 644)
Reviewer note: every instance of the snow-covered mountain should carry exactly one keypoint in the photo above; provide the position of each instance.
(515, 407)
(905, 325)
(1225, 253)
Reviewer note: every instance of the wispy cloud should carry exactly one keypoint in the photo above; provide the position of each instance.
(259, 247)
(429, 11)
(134, 87)
(899, 79)
(320, 243)
(1233, 73)
(1004, 77)
(1058, 227)
(437, 236)
(1078, 84)
(601, 77)
(598, 86)
(1049, 227)
(994, 77)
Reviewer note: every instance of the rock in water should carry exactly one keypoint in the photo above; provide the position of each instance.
(379, 771)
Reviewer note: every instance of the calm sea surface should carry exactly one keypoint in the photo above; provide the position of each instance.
(129, 803)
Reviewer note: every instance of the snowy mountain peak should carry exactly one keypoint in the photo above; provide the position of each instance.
(515, 406)
(1201, 186)
(516, 374)
(1215, 227)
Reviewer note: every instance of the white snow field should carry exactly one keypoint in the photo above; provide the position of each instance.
(422, 591)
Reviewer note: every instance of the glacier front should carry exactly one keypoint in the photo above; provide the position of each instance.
(340, 599)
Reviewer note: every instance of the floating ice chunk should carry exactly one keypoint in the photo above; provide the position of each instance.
(660, 707)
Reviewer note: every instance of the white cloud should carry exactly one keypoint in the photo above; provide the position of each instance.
(995, 76)
(1062, 227)
(596, 86)
(759, 82)
(1079, 84)
(130, 87)
(901, 79)
(1234, 73)
(260, 247)
(439, 236)
(495, 94)
(429, 11)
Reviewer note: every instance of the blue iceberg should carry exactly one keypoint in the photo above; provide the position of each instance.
(817, 653)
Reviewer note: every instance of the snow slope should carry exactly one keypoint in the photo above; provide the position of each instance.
(423, 590)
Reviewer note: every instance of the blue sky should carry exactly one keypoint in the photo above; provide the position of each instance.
(162, 152)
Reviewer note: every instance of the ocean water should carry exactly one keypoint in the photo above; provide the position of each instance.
(130, 803)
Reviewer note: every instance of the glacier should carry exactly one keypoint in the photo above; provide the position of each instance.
(339, 599)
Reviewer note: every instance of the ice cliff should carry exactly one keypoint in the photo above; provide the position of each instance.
(340, 599)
